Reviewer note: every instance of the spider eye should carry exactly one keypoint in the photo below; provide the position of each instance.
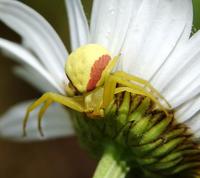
(85, 65)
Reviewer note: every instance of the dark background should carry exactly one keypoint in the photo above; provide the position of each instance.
(60, 158)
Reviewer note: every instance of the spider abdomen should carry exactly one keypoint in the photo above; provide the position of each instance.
(96, 71)
(84, 66)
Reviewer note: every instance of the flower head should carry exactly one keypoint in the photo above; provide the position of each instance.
(153, 38)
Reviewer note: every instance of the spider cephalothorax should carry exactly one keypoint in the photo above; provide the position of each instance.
(93, 85)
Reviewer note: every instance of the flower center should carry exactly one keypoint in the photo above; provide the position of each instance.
(153, 142)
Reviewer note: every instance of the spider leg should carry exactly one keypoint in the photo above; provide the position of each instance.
(113, 63)
(145, 83)
(48, 98)
(105, 74)
(122, 89)
(41, 114)
(110, 86)
(110, 90)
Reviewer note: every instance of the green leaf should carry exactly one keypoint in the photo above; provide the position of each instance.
(196, 19)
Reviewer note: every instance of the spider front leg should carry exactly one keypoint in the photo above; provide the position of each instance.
(110, 90)
(144, 83)
(48, 98)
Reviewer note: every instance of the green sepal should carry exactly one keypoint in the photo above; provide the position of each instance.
(123, 111)
(186, 146)
(122, 135)
(183, 167)
(140, 111)
(135, 102)
(144, 149)
(137, 129)
(167, 147)
(172, 156)
(147, 161)
(155, 132)
(140, 127)
(174, 133)
(110, 110)
(191, 152)
(155, 119)
(110, 120)
(166, 165)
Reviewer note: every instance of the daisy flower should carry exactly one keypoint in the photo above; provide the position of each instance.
(137, 133)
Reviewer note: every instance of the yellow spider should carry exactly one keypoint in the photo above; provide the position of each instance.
(92, 85)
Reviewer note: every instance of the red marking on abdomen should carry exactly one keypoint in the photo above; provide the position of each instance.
(96, 71)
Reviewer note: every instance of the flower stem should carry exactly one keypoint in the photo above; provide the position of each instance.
(111, 164)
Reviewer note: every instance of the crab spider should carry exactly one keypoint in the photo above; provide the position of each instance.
(92, 85)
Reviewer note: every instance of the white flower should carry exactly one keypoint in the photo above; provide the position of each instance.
(152, 36)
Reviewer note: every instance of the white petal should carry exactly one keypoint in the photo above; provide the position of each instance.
(37, 34)
(194, 123)
(110, 21)
(180, 59)
(34, 78)
(158, 27)
(25, 57)
(197, 135)
(180, 74)
(178, 62)
(184, 87)
(56, 123)
(79, 30)
(187, 110)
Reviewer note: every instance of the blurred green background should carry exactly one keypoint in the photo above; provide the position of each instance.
(61, 158)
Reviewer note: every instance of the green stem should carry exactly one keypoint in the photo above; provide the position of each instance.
(111, 164)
